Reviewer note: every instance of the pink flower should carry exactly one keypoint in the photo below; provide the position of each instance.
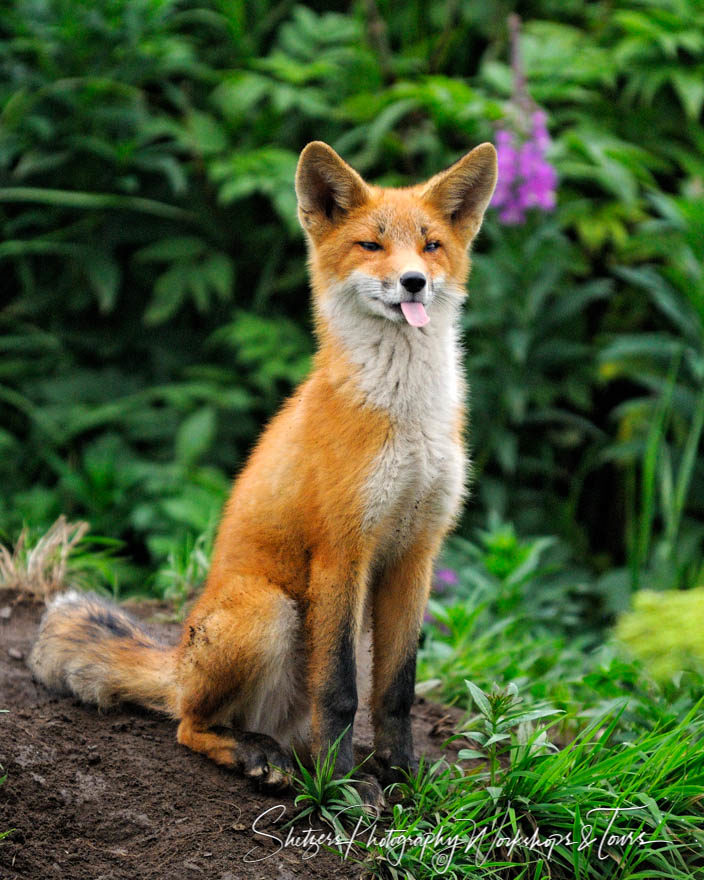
(526, 178)
(445, 578)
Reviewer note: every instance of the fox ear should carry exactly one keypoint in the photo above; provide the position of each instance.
(326, 187)
(463, 191)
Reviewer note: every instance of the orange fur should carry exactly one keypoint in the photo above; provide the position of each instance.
(317, 528)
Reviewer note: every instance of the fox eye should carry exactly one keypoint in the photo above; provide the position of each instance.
(370, 245)
(432, 246)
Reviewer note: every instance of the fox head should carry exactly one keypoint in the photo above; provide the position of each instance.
(397, 254)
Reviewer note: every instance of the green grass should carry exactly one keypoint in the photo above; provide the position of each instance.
(569, 800)
(323, 794)
(579, 764)
(621, 798)
(598, 807)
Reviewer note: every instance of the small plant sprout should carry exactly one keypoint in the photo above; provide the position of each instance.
(504, 725)
(325, 795)
(424, 786)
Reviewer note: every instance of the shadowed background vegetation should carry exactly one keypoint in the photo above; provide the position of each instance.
(154, 297)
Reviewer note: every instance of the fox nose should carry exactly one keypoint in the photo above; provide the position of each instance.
(413, 282)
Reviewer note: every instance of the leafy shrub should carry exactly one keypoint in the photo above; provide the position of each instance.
(154, 273)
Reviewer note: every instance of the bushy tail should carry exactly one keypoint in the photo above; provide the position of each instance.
(91, 648)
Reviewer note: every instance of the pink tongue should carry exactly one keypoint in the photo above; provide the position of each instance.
(415, 314)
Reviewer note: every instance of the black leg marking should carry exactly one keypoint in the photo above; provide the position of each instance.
(392, 718)
(338, 700)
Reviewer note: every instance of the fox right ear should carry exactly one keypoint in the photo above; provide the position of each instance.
(326, 187)
(463, 191)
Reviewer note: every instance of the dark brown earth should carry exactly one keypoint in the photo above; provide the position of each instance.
(112, 796)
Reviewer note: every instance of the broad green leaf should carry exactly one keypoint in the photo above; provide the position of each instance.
(182, 247)
(195, 436)
(104, 275)
(479, 698)
(169, 294)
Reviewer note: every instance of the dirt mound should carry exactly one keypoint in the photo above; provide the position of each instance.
(112, 796)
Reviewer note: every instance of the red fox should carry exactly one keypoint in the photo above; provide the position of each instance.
(338, 515)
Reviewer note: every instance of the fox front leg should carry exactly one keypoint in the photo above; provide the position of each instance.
(332, 623)
(399, 600)
(333, 619)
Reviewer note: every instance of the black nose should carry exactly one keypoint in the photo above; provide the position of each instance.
(413, 281)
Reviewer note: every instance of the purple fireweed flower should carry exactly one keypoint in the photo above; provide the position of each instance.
(526, 179)
(444, 578)
(540, 129)
(507, 161)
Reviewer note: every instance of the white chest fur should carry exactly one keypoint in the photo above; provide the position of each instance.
(417, 479)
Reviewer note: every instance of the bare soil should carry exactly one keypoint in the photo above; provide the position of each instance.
(112, 796)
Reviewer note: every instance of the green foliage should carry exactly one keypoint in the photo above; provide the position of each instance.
(186, 565)
(572, 812)
(61, 558)
(560, 732)
(530, 416)
(522, 615)
(522, 625)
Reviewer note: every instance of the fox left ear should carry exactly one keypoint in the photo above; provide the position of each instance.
(463, 191)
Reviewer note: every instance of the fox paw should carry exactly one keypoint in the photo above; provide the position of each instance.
(388, 769)
(261, 759)
(371, 793)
